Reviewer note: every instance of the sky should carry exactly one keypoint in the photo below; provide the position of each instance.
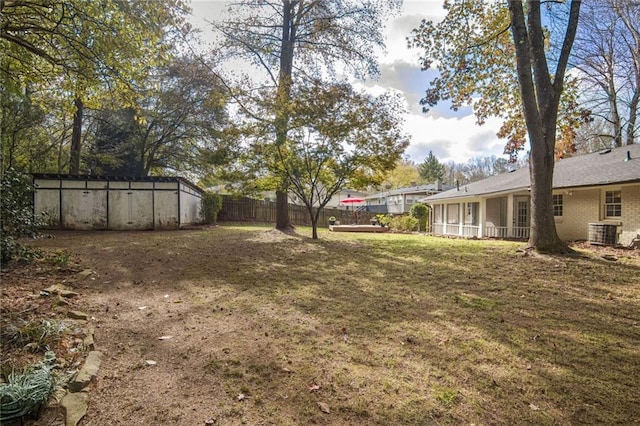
(451, 136)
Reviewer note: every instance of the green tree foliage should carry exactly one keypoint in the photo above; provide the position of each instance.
(85, 47)
(472, 50)
(294, 41)
(16, 213)
(405, 174)
(179, 118)
(113, 152)
(431, 169)
(19, 125)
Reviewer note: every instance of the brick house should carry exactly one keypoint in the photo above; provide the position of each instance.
(596, 197)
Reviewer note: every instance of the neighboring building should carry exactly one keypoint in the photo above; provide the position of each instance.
(96, 202)
(399, 201)
(336, 201)
(596, 197)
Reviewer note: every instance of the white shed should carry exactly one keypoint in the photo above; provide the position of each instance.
(116, 203)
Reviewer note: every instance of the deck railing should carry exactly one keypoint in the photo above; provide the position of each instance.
(473, 231)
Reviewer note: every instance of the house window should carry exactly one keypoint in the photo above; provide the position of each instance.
(453, 213)
(557, 205)
(613, 204)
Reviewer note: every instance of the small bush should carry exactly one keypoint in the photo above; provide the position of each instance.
(211, 206)
(404, 223)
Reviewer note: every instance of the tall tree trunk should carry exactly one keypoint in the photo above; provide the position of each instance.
(76, 138)
(283, 98)
(616, 122)
(540, 97)
(543, 235)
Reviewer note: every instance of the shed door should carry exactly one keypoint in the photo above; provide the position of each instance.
(84, 208)
(130, 209)
(166, 210)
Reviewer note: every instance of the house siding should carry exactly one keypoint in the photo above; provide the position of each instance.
(579, 209)
(630, 214)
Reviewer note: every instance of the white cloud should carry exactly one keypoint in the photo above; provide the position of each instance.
(452, 139)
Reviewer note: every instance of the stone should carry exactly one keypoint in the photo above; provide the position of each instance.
(88, 343)
(67, 294)
(324, 407)
(87, 373)
(54, 289)
(77, 315)
(85, 273)
(60, 301)
(75, 407)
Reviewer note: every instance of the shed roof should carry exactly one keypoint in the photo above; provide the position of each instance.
(118, 178)
(611, 166)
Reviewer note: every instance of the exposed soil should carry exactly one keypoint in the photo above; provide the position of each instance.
(185, 342)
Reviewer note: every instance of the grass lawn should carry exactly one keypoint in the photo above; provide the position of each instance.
(356, 329)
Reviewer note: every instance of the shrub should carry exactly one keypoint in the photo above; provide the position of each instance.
(211, 206)
(16, 214)
(404, 223)
(420, 212)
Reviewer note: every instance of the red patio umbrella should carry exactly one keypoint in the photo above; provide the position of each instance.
(352, 200)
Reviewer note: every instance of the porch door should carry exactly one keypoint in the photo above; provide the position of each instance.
(522, 217)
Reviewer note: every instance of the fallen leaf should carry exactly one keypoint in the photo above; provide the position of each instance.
(534, 407)
(165, 337)
(142, 308)
(150, 362)
(241, 397)
(324, 407)
(314, 387)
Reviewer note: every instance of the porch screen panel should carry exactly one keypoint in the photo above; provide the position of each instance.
(453, 213)
(437, 213)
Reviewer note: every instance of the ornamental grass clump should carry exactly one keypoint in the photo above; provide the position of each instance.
(33, 335)
(25, 393)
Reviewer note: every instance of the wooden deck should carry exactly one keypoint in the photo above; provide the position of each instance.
(358, 228)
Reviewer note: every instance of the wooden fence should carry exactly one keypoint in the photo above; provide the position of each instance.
(248, 209)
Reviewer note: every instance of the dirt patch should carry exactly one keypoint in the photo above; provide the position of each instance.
(246, 325)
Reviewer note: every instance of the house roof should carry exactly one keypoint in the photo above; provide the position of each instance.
(600, 168)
